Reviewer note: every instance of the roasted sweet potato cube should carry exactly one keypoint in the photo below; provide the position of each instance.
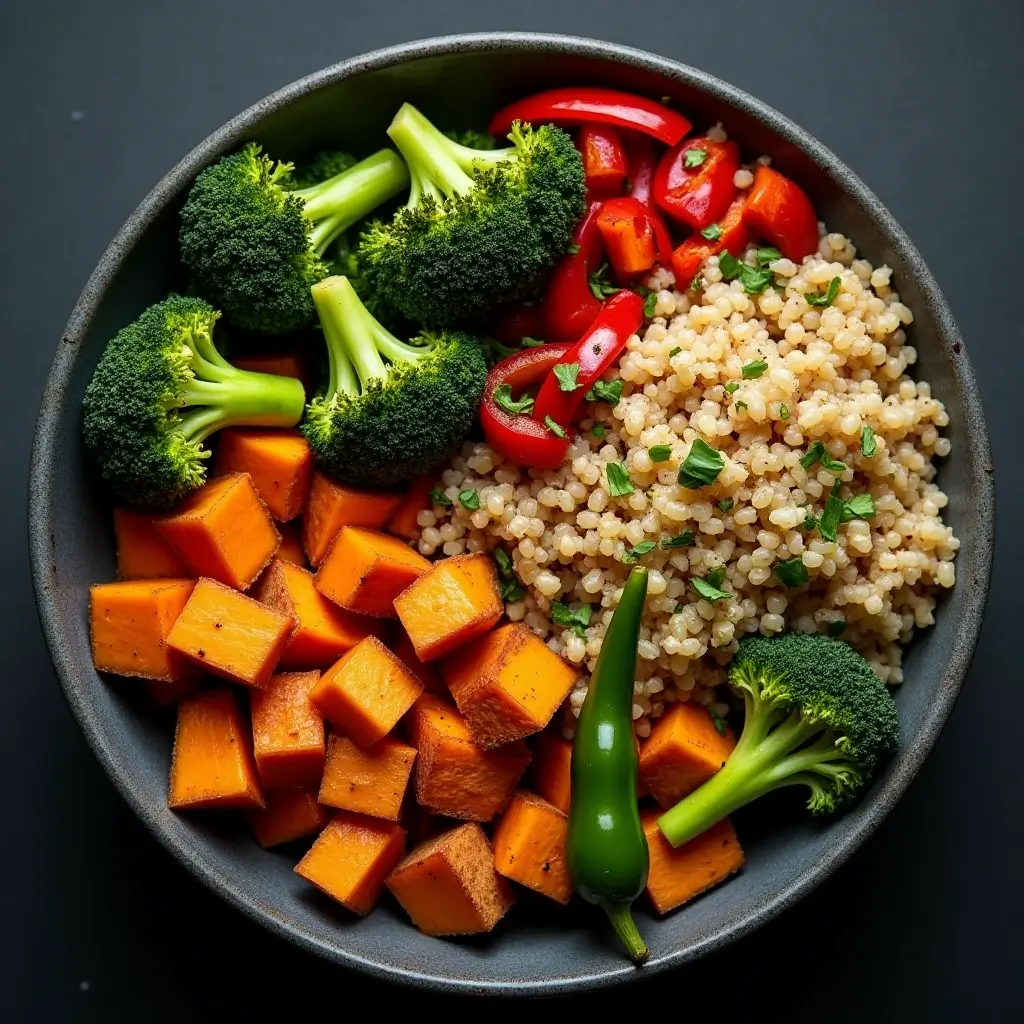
(677, 875)
(371, 781)
(288, 732)
(279, 463)
(428, 674)
(129, 624)
(332, 505)
(529, 846)
(142, 552)
(508, 684)
(290, 814)
(552, 757)
(351, 858)
(448, 885)
(223, 531)
(290, 550)
(683, 751)
(403, 522)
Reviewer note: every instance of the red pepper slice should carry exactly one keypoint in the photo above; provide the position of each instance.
(583, 104)
(569, 305)
(517, 323)
(779, 210)
(628, 236)
(697, 195)
(523, 439)
(643, 165)
(620, 317)
(604, 160)
(690, 256)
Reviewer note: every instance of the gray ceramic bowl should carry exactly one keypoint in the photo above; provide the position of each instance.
(538, 949)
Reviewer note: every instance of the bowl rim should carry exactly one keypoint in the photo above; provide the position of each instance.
(42, 470)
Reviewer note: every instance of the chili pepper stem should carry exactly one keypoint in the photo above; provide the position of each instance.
(627, 931)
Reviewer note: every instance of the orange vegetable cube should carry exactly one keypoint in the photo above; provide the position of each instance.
(332, 505)
(529, 846)
(371, 781)
(278, 461)
(212, 765)
(683, 751)
(129, 625)
(454, 775)
(224, 531)
(229, 634)
(287, 731)
(403, 520)
(142, 552)
(323, 631)
(552, 756)
(508, 684)
(366, 692)
(448, 885)
(291, 545)
(290, 814)
(677, 875)
(453, 602)
(364, 571)
(428, 675)
(351, 858)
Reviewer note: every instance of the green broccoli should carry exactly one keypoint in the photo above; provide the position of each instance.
(254, 248)
(160, 389)
(480, 228)
(392, 409)
(328, 163)
(816, 715)
(473, 139)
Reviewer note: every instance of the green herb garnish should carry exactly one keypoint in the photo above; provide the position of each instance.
(533, 342)
(828, 298)
(809, 523)
(726, 504)
(600, 285)
(567, 375)
(504, 562)
(573, 249)
(438, 497)
(753, 279)
(685, 539)
(554, 427)
(469, 499)
(619, 483)
(712, 233)
(717, 576)
(741, 405)
(637, 551)
(577, 620)
(783, 411)
(718, 722)
(868, 444)
(732, 387)
(792, 572)
(751, 371)
(701, 467)
(833, 514)
(511, 590)
(598, 430)
(694, 158)
(650, 304)
(660, 452)
(707, 591)
(697, 283)
(514, 407)
(769, 254)
(609, 391)
(861, 506)
(818, 453)
(674, 352)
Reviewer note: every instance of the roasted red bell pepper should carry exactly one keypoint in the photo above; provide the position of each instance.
(779, 211)
(603, 343)
(628, 236)
(604, 160)
(517, 323)
(569, 305)
(690, 256)
(643, 164)
(591, 104)
(694, 183)
(522, 438)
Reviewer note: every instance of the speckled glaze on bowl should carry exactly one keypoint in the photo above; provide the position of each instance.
(538, 949)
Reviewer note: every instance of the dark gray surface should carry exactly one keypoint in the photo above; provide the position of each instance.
(929, 906)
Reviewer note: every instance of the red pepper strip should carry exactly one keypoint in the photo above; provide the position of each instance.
(662, 237)
(628, 236)
(604, 160)
(569, 305)
(699, 195)
(643, 164)
(583, 104)
(690, 256)
(779, 210)
(620, 317)
(517, 323)
(523, 439)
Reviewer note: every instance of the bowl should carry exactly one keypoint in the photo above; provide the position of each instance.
(539, 949)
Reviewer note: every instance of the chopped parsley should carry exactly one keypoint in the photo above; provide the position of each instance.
(833, 514)
(660, 452)
(726, 504)
(828, 298)
(836, 627)
(514, 407)
(650, 304)
(533, 342)
(751, 371)
(708, 591)
(511, 590)
(694, 158)
(573, 248)
(554, 427)
(732, 387)
(567, 375)
(674, 352)
(769, 254)
(637, 551)
(619, 484)
(741, 405)
(809, 523)
(685, 539)
(504, 562)
(783, 411)
(717, 576)
(697, 283)
(818, 453)
(718, 722)
(753, 279)
(598, 430)
(600, 285)
(792, 572)
(861, 506)
(702, 466)
(712, 233)
(609, 391)
(577, 620)
(469, 499)
(868, 444)
(438, 497)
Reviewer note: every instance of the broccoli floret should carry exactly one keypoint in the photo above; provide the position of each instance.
(816, 715)
(481, 228)
(392, 409)
(160, 389)
(254, 247)
(473, 139)
(328, 163)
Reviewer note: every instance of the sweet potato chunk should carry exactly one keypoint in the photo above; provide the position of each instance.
(366, 692)
(129, 624)
(332, 505)
(677, 875)
(351, 858)
(212, 765)
(508, 684)
(323, 631)
(364, 571)
(552, 755)
(683, 751)
(224, 531)
(452, 603)
(403, 520)
(142, 552)
(287, 731)
(229, 634)
(290, 550)
(371, 781)
(290, 814)
(529, 846)
(279, 463)
(454, 775)
(428, 674)
(448, 885)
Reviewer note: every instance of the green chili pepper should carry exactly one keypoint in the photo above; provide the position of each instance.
(606, 849)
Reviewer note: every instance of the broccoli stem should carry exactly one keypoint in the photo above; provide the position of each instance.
(431, 155)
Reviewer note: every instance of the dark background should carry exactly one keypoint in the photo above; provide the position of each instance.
(99, 99)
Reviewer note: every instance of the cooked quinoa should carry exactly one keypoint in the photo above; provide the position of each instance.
(830, 372)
